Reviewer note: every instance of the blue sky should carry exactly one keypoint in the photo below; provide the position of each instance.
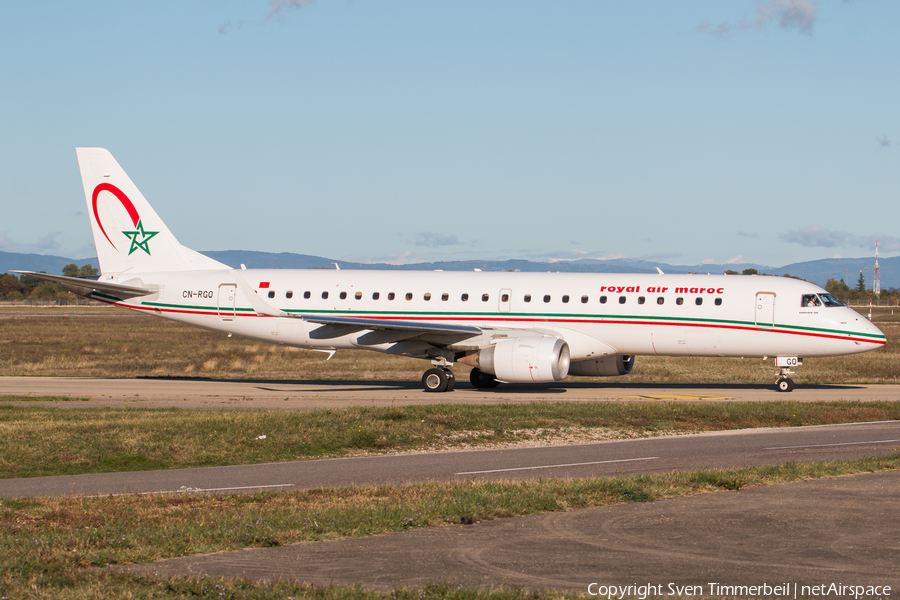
(762, 131)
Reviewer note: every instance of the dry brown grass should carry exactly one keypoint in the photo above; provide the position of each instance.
(111, 342)
(100, 341)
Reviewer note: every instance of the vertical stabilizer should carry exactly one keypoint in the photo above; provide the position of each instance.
(128, 233)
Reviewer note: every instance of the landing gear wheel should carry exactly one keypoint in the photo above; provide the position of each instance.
(451, 379)
(784, 384)
(435, 380)
(482, 380)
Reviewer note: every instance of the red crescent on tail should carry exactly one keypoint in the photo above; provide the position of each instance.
(132, 211)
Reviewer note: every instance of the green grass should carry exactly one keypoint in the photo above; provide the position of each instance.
(38, 441)
(60, 547)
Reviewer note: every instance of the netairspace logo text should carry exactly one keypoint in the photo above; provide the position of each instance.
(783, 590)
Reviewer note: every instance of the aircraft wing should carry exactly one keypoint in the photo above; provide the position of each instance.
(391, 325)
(90, 284)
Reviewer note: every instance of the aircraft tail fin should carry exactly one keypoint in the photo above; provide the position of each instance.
(128, 233)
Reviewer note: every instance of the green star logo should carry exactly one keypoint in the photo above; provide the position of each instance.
(139, 238)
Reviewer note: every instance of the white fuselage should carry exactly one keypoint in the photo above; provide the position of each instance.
(596, 314)
(512, 327)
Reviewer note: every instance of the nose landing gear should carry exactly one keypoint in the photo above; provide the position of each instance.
(785, 383)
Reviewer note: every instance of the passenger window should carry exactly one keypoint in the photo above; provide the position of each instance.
(445, 297)
(602, 299)
(622, 299)
(811, 300)
(324, 295)
(699, 301)
(409, 296)
(271, 293)
(427, 297)
(358, 295)
(343, 295)
(375, 295)
(306, 295)
(504, 298)
(484, 297)
(464, 297)
(391, 295)
(660, 300)
(718, 302)
(565, 299)
(584, 299)
(641, 300)
(527, 298)
(679, 301)
(289, 295)
(546, 298)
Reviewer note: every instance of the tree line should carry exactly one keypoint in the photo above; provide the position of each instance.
(843, 292)
(860, 295)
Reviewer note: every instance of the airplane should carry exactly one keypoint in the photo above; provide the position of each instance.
(511, 327)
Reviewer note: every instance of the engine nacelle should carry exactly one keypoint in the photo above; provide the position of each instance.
(608, 366)
(529, 359)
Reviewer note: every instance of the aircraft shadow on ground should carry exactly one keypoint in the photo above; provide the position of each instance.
(530, 388)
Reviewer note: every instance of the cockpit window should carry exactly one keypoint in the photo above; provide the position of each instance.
(830, 300)
(810, 300)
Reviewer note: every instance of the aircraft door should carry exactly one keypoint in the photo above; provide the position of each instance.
(765, 310)
(226, 300)
(505, 300)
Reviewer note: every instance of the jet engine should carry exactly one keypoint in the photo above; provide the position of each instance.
(608, 366)
(529, 359)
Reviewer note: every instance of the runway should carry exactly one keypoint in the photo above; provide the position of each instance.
(809, 533)
(652, 455)
(305, 395)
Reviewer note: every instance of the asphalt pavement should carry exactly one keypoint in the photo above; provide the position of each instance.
(841, 531)
(214, 394)
(723, 449)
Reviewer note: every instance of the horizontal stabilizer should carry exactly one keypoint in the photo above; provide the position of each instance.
(91, 284)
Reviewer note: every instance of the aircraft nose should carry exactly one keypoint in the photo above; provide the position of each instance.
(869, 328)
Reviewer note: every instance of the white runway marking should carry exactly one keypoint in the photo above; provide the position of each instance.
(598, 462)
(191, 490)
(828, 445)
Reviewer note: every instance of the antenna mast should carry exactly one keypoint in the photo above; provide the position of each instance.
(876, 284)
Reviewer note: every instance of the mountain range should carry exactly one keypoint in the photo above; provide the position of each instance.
(817, 271)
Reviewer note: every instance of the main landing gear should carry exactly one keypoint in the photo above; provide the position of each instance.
(482, 380)
(438, 379)
(441, 379)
